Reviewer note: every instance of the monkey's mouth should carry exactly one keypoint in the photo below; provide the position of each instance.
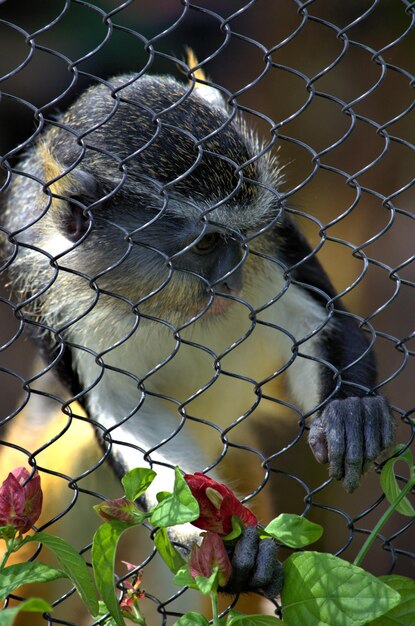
(218, 306)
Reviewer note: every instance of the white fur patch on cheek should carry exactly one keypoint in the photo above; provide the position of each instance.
(56, 245)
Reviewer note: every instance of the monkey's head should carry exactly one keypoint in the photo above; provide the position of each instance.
(149, 192)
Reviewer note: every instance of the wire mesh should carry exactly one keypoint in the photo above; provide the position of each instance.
(328, 89)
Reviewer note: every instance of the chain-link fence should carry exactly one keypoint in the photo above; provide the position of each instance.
(150, 244)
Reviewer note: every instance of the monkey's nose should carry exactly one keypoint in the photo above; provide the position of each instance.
(231, 284)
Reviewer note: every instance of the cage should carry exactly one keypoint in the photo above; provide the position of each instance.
(140, 141)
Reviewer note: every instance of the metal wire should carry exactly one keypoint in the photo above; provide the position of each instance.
(359, 176)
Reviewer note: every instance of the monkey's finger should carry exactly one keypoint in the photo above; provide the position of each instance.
(388, 425)
(354, 442)
(243, 560)
(379, 428)
(336, 437)
(264, 565)
(273, 589)
(318, 441)
(372, 431)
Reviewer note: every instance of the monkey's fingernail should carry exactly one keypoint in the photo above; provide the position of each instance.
(319, 449)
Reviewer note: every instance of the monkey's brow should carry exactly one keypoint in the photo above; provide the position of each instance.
(194, 215)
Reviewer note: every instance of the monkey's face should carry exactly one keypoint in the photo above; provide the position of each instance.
(152, 205)
(157, 213)
(169, 261)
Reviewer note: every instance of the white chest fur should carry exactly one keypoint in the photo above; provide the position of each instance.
(146, 385)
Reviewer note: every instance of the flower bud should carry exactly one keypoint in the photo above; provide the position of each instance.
(20, 504)
(210, 553)
(118, 509)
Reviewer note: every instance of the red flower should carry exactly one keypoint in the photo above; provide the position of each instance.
(129, 604)
(20, 505)
(210, 553)
(217, 505)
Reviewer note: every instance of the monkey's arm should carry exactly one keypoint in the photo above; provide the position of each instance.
(352, 424)
(352, 429)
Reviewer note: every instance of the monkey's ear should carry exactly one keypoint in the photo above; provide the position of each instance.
(213, 96)
(72, 192)
(76, 182)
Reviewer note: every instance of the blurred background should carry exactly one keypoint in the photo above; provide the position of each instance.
(337, 95)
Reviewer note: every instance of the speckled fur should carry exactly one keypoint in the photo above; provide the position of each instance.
(154, 164)
(135, 113)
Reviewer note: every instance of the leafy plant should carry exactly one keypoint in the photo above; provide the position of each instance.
(318, 588)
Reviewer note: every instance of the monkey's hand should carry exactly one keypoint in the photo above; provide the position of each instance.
(350, 434)
(255, 566)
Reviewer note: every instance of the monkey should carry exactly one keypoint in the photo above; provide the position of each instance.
(158, 267)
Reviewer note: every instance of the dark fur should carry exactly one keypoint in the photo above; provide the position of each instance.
(153, 148)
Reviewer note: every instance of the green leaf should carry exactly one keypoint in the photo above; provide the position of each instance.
(73, 565)
(137, 481)
(319, 587)
(183, 578)
(402, 614)
(32, 605)
(172, 557)
(293, 530)
(19, 574)
(8, 532)
(237, 529)
(102, 609)
(192, 619)
(177, 508)
(104, 547)
(232, 613)
(254, 620)
(162, 495)
(390, 485)
(206, 585)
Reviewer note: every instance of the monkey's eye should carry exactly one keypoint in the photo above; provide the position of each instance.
(76, 223)
(207, 244)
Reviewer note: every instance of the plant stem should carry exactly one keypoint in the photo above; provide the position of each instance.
(9, 550)
(387, 514)
(215, 615)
